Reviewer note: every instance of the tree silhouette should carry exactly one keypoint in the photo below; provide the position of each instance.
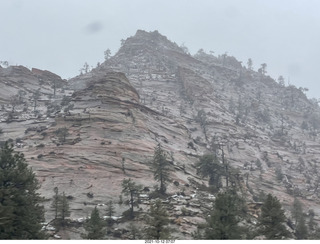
(209, 166)
(157, 223)
(63, 208)
(107, 54)
(132, 190)
(94, 226)
(228, 211)
(301, 230)
(272, 219)
(263, 68)
(161, 167)
(62, 133)
(110, 212)
(249, 63)
(55, 202)
(21, 212)
(281, 81)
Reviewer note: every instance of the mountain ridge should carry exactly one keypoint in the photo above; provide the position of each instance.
(153, 91)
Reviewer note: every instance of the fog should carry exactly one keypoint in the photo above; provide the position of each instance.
(61, 35)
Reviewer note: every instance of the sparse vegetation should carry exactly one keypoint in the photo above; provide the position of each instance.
(209, 166)
(132, 190)
(272, 220)
(20, 204)
(157, 222)
(225, 217)
(161, 168)
(110, 212)
(243, 133)
(94, 226)
(62, 133)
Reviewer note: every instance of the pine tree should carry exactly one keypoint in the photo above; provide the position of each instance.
(312, 225)
(281, 81)
(132, 190)
(94, 226)
(262, 70)
(197, 235)
(209, 166)
(296, 210)
(249, 64)
(62, 133)
(301, 230)
(107, 54)
(134, 232)
(110, 212)
(157, 222)
(228, 211)
(63, 208)
(161, 168)
(21, 212)
(55, 202)
(110, 209)
(272, 219)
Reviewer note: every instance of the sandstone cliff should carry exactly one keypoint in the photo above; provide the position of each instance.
(153, 92)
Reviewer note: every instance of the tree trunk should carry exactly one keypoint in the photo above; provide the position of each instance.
(131, 203)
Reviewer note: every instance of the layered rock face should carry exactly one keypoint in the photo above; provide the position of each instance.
(18, 78)
(110, 136)
(102, 127)
(266, 130)
(26, 99)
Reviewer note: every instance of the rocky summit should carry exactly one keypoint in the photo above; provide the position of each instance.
(86, 135)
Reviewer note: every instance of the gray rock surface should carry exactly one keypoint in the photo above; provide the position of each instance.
(153, 92)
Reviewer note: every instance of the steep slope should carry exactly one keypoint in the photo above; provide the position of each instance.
(103, 126)
(110, 136)
(265, 129)
(27, 98)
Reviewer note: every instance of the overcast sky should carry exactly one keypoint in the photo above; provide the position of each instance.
(61, 35)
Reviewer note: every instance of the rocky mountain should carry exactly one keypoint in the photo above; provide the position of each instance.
(87, 134)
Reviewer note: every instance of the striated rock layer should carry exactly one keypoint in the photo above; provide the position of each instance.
(152, 91)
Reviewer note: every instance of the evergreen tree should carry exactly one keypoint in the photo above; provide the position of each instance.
(296, 210)
(110, 212)
(313, 229)
(312, 225)
(197, 235)
(281, 81)
(107, 54)
(202, 119)
(157, 223)
(301, 230)
(161, 168)
(228, 211)
(63, 208)
(209, 166)
(36, 95)
(249, 64)
(62, 133)
(262, 70)
(110, 209)
(134, 232)
(21, 212)
(55, 202)
(132, 190)
(272, 219)
(94, 226)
